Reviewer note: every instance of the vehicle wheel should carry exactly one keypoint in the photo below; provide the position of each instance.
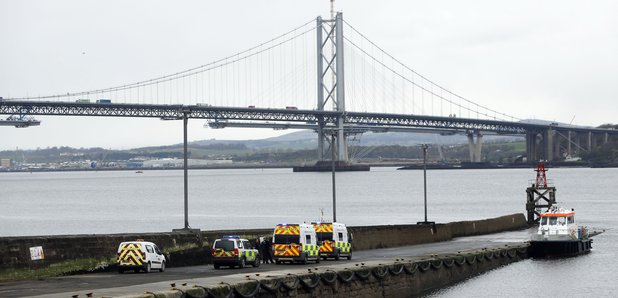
(217, 266)
(162, 269)
(278, 262)
(304, 261)
(350, 255)
(257, 262)
(242, 263)
(120, 270)
(317, 260)
(337, 256)
(147, 269)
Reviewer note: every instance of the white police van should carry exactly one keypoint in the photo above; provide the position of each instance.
(295, 243)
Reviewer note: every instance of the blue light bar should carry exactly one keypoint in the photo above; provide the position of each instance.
(231, 236)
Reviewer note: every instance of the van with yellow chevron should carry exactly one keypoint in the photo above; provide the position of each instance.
(139, 255)
(295, 243)
(335, 241)
(233, 251)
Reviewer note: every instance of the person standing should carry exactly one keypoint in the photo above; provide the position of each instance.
(264, 251)
(269, 250)
(256, 245)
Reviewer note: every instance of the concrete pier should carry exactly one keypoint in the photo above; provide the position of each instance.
(395, 260)
(395, 277)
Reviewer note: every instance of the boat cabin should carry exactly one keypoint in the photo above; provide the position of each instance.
(561, 219)
(559, 224)
(557, 221)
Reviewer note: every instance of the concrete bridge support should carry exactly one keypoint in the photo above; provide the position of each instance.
(475, 148)
(569, 141)
(541, 145)
(554, 144)
(531, 146)
(548, 150)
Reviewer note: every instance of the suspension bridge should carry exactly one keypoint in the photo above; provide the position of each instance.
(323, 75)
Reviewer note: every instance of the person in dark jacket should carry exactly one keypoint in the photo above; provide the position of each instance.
(263, 252)
(257, 245)
(269, 250)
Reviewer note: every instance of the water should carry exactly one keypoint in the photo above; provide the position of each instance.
(124, 201)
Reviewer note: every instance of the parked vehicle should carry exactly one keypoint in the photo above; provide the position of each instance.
(334, 239)
(295, 243)
(234, 251)
(140, 255)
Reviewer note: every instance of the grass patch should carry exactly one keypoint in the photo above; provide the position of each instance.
(56, 269)
(183, 247)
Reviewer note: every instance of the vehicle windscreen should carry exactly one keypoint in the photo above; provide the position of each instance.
(286, 239)
(323, 236)
(226, 245)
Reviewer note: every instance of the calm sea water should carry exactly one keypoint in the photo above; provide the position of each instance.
(125, 201)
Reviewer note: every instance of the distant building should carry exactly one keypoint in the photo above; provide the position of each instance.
(5, 162)
(177, 163)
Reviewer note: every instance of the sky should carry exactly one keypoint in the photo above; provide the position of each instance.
(550, 60)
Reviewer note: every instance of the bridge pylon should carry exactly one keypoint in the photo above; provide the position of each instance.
(331, 89)
(331, 83)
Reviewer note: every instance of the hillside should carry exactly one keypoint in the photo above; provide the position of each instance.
(291, 149)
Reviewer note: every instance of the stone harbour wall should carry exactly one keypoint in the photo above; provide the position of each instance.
(192, 248)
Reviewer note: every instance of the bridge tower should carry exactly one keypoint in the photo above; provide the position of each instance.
(331, 84)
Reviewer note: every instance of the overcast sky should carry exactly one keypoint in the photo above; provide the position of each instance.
(551, 60)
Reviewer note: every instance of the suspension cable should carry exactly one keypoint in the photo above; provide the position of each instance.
(421, 76)
(191, 71)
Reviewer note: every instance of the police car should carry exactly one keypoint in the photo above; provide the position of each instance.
(234, 251)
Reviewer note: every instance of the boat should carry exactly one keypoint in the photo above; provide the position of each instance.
(559, 236)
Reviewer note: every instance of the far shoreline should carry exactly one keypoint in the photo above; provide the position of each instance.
(399, 165)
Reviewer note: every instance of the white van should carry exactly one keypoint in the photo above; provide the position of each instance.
(140, 255)
(334, 239)
(295, 243)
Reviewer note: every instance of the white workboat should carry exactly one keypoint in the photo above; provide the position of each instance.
(559, 236)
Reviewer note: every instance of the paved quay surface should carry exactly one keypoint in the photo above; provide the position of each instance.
(112, 284)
